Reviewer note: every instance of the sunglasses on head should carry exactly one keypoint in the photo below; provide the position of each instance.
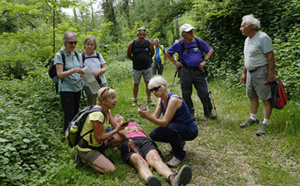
(105, 89)
(142, 29)
(155, 89)
(72, 42)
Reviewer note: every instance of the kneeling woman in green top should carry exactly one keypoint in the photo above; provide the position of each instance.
(91, 146)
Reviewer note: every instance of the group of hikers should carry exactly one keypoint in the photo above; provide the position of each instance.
(173, 115)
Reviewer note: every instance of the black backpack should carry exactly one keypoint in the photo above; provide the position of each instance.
(182, 48)
(84, 58)
(75, 126)
(52, 68)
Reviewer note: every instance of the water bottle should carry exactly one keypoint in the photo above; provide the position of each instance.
(73, 134)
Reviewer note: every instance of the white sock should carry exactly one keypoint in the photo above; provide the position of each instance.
(266, 121)
(253, 117)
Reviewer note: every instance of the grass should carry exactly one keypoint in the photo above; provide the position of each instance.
(222, 154)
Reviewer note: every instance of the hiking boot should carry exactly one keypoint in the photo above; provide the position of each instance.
(134, 103)
(152, 181)
(183, 144)
(78, 161)
(150, 102)
(183, 177)
(249, 122)
(174, 162)
(210, 116)
(262, 129)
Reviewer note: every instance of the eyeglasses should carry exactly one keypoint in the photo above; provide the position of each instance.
(72, 42)
(155, 89)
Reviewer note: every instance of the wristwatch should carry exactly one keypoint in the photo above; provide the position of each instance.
(205, 60)
(128, 138)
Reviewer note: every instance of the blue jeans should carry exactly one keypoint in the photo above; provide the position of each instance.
(175, 133)
(188, 78)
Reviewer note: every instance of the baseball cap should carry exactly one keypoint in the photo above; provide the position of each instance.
(186, 28)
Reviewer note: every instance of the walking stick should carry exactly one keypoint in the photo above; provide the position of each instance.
(213, 102)
(173, 80)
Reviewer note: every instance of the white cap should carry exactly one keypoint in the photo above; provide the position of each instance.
(186, 28)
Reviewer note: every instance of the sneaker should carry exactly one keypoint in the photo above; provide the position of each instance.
(249, 122)
(183, 144)
(210, 116)
(174, 162)
(134, 103)
(152, 181)
(150, 102)
(262, 129)
(78, 161)
(183, 177)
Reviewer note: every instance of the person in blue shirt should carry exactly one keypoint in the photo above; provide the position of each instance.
(159, 58)
(69, 83)
(176, 125)
(192, 71)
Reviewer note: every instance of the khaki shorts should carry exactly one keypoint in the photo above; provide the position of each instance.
(255, 84)
(89, 156)
(137, 75)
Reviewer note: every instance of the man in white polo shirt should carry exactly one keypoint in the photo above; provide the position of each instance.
(258, 71)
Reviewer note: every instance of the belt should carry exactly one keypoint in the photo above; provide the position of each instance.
(192, 69)
(253, 70)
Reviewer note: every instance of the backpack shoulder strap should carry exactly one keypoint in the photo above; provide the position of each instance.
(63, 59)
(133, 44)
(98, 55)
(77, 55)
(83, 57)
(198, 43)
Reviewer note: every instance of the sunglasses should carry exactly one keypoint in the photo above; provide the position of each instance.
(155, 89)
(72, 42)
(105, 89)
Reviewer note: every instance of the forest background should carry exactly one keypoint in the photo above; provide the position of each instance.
(31, 33)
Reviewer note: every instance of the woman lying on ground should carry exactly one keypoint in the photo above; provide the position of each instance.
(92, 146)
(149, 156)
(177, 124)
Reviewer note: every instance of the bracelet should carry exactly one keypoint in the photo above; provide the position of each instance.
(128, 138)
(205, 60)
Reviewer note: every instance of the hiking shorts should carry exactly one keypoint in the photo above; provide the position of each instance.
(90, 156)
(142, 144)
(255, 84)
(137, 75)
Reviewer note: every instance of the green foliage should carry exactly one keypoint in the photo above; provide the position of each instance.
(219, 26)
(28, 127)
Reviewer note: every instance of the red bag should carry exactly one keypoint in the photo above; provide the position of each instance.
(278, 95)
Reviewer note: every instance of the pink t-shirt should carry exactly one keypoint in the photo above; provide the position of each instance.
(135, 133)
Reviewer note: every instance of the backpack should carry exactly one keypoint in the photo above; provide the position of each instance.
(279, 98)
(75, 126)
(182, 48)
(84, 58)
(52, 68)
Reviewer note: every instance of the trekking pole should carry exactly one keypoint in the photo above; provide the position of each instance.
(173, 80)
(213, 102)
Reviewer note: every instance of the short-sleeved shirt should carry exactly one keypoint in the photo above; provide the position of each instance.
(94, 64)
(255, 50)
(191, 55)
(71, 83)
(88, 125)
